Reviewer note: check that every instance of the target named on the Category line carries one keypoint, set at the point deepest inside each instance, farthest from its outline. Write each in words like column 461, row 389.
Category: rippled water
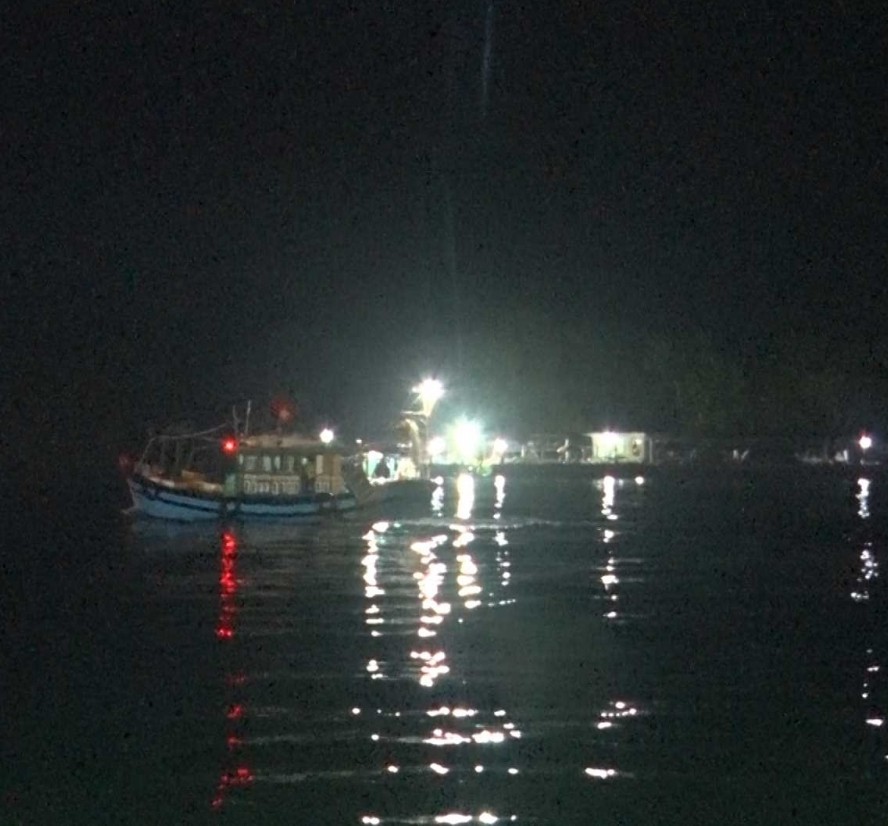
column 669, row 650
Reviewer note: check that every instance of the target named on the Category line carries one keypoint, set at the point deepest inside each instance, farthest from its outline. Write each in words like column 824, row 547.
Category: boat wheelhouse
column 392, row 472
column 625, row 447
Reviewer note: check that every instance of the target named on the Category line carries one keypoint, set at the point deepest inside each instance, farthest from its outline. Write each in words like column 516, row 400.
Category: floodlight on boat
column 327, row 435
column 229, row 446
column 865, row 442
column 467, row 436
column 429, row 391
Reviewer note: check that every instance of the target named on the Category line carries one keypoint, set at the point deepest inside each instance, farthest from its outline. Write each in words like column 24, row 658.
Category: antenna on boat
column 247, row 422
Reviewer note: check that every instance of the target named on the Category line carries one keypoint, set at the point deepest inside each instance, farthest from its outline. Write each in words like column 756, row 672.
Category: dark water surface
column 701, row 649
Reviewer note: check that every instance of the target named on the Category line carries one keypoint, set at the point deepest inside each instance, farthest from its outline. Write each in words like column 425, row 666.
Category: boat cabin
column 257, row 466
column 620, row 447
column 273, row 465
column 383, row 462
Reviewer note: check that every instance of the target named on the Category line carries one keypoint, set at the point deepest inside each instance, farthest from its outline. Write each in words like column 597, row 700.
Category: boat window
column 277, row 462
column 291, row 463
column 266, row 464
column 250, row 463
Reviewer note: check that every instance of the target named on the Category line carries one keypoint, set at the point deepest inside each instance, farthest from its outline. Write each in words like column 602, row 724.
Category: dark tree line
column 535, row 373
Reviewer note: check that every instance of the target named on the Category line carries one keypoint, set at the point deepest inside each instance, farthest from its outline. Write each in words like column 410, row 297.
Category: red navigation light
column 229, row 446
column 283, row 409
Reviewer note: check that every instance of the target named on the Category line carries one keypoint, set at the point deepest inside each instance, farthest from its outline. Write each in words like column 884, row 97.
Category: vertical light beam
column 486, row 59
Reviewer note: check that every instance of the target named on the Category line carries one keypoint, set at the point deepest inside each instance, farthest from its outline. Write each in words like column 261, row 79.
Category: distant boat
column 392, row 474
column 210, row 475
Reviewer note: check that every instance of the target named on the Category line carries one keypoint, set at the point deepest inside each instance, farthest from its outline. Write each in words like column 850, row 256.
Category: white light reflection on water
column 609, row 486
column 467, row 577
column 465, row 491
column 617, row 713
column 618, row 710
column 484, row 817
column 448, row 567
column 863, row 498
column 438, row 499
column 601, row 774
column 441, row 728
column 499, row 484
column 608, row 576
column 866, row 577
column 433, row 666
column 371, row 586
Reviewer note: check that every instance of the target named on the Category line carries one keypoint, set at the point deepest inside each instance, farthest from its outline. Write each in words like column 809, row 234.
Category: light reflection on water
column 421, row 583
column 449, row 586
column 485, row 661
column 874, row 713
column 237, row 774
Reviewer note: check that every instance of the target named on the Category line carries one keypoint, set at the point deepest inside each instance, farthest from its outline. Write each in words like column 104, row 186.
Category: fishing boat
column 398, row 468
column 214, row 474
column 393, row 473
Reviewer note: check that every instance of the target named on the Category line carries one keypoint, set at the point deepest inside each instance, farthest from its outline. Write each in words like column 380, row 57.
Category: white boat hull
column 182, row 505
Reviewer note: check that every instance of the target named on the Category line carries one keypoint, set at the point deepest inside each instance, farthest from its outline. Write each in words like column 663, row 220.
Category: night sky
column 204, row 202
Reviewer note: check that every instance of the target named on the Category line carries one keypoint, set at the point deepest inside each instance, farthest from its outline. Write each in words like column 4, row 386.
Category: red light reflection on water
column 229, row 543
column 236, row 774
column 227, row 586
column 238, row 778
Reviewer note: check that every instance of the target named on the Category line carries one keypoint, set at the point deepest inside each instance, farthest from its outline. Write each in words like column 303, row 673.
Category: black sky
column 205, row 201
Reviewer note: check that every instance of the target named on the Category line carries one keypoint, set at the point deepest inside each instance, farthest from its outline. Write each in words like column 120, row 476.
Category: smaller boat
column 272, row 476
column 392, row 472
